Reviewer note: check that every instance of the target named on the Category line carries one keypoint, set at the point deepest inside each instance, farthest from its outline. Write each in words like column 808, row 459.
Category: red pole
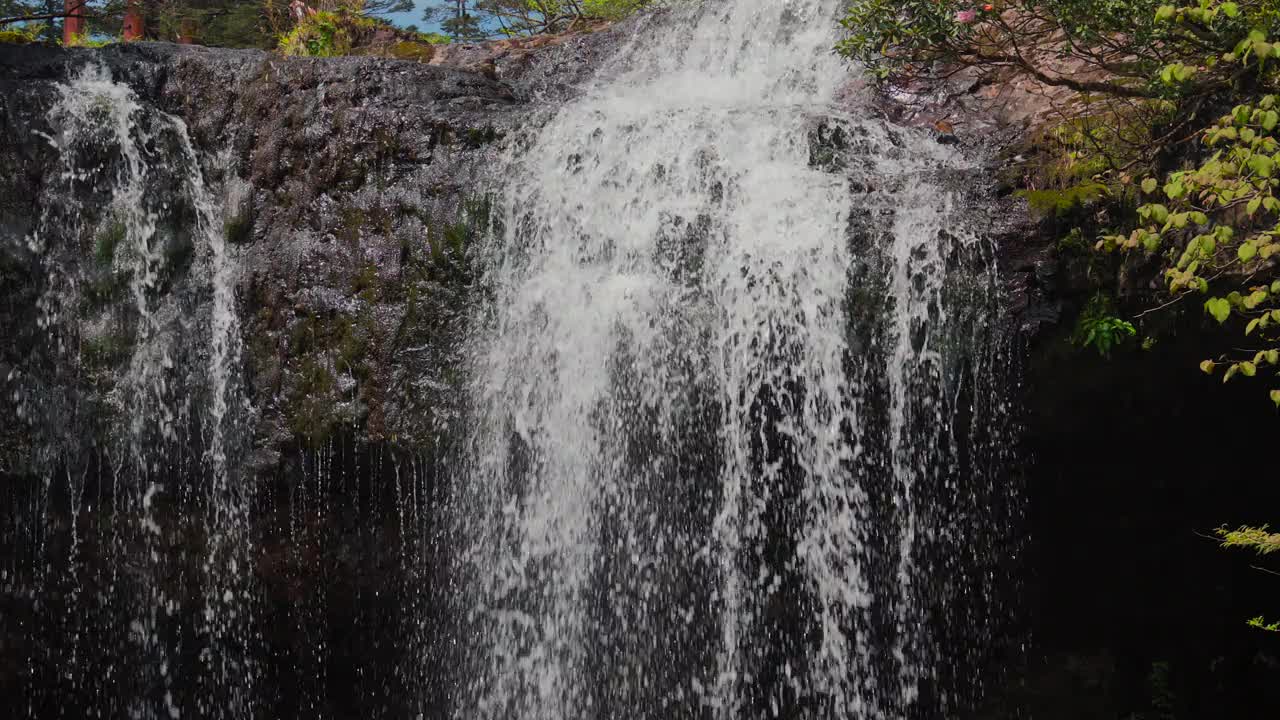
column 73, row 27
column 133, row 25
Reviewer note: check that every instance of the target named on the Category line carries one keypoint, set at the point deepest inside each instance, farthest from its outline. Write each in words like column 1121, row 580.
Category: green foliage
column 218, row 23
column 1100, row 329
column 26, row 21
column 324, row 34
column 1258, row 539
column 612, row 9
column 22, row 34
column 1261, row 541
column 341, row 32
column 88, row 40
column 894, row 36
column 434, row 38
column 1216, row 229
column 1122, row 48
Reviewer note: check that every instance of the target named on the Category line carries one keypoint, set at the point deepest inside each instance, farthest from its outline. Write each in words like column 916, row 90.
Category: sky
column 414, row 17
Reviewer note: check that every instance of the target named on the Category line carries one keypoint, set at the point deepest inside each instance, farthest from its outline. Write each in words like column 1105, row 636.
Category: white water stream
column 180, row 367
column 671, row 325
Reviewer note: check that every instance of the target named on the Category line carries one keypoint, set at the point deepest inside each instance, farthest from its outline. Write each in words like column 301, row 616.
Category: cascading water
column 733, row 415
column 137, row 191
column 737, row 404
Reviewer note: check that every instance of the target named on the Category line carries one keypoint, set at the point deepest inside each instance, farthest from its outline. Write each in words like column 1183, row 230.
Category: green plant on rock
column 324, row 34
column 1100, row 329
column 22, row 34
column 1060, row 202
column 107, row 240
column 87, row 40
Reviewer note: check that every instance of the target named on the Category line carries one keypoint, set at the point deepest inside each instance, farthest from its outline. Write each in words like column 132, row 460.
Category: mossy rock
column 411, row 50
column 238, row 228
column 479, row 137
column 104, row 289
column 106, row 351
column 1058, row 203
column 107, row 240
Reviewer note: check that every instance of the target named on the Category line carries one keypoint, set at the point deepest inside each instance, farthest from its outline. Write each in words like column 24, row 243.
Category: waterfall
column 692, row 404
column 167, row 362
column 736, row 401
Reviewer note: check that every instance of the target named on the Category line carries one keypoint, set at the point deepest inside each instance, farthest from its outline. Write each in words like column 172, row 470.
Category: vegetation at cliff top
column 319, row 27
column 329, row 33
column 477, row 19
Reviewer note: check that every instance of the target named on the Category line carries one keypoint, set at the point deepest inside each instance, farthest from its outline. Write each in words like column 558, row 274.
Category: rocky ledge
column 353, row 192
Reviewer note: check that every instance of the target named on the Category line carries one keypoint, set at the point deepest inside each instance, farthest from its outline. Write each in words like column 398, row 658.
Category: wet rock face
column 352, row 195
column 353, row 192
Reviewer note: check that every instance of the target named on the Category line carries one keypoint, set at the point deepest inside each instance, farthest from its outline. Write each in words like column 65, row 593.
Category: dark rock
column 336, row 177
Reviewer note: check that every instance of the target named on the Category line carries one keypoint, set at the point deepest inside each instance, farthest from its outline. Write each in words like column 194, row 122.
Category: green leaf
column 1165, row 13
column 1247, row 251
column 1219, row 308
column 1273, row 357
column 1149, row 185
column 1207, row 367
column 1270, row 119
column 1253, row 325
column 1262, row 165
column 1229, row 9
column 1275, row 397
column 1248, row 369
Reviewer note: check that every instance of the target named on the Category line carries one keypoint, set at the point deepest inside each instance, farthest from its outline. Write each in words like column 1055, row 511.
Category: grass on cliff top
column 339, row 33
column 22, row 34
